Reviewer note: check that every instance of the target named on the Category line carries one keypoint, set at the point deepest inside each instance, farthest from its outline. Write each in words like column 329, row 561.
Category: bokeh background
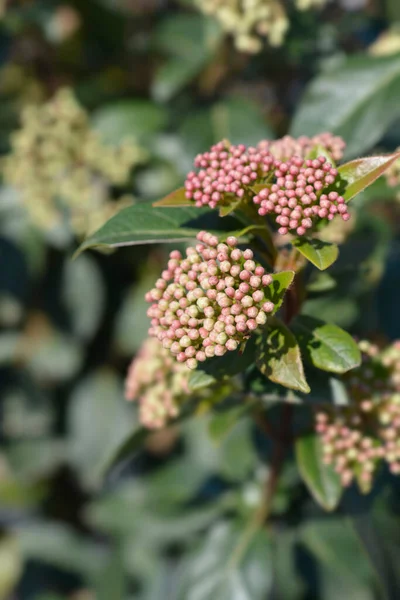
column 164, row 81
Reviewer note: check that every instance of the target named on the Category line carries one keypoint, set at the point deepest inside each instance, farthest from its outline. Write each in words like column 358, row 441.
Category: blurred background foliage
column 169, row 522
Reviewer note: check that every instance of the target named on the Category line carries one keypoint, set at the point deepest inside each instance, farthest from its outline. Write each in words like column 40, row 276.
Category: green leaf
column 11, row 566
column 124, row 119
column 278, row 357
column 362, row 172
column 357, row 100
column 239, row 120
column 132, row 443
column 321, row 151
column 321, row 480
column 144, row 224
column 321, row 283
column 319, row 253
column 176, row 198
column 280, row 284
column 336, row 547
column 190, row 41
column 224, row 422
column 232, row 363
column 198, row 380
column 174, row 75
column 84, row 295
column 229, row 566
column 58, row 545
column 99, row 420
column 326, row 346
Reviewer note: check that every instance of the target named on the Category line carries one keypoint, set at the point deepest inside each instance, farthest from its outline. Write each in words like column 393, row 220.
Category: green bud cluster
column 60, row 166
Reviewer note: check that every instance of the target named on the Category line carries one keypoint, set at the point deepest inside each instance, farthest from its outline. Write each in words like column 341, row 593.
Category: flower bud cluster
column 289, row 147
column 298, row 191
column 297, row 200
column 392, row 174
column 227, row 170
column 356, row 438
column 59, row 164
column 158, row 383
column 249, row 21
column 209, row 302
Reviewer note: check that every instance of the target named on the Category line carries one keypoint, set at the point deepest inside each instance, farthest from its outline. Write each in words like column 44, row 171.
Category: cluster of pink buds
column 158, row 383
column 289, row 147
column 299, row 191
column 356, row 438
column 296, row 199
column 209, row 302
column 225, row 170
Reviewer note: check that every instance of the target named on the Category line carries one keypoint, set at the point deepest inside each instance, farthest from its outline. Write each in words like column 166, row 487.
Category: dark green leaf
column 280, row 284
column 357, row 100
column 132, row 443
column 222, row 423
column 144, row 224
column 278, row 357
column 362, row 172
column 322, row 481
column 191, row 41
column 319, row 253
column 232, row 363
column 326, row 346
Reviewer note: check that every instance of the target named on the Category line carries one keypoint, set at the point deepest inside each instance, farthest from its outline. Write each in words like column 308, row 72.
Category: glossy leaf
column 321, row 480
column 144, row 224
column 326, row 346
column 319, row 253
column 176, row 198
column 362, row 172
column 357, row 100
column 278, row 357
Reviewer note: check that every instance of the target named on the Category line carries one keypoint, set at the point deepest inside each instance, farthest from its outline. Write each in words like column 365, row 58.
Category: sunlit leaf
column 278, row 357
column 362, row 172
column 319, row 253
column 326, row 346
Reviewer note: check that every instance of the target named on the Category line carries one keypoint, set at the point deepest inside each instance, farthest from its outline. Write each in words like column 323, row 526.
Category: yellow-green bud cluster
column 158, row 383
column 356, row 438
column 250, row 22
column 60, row 165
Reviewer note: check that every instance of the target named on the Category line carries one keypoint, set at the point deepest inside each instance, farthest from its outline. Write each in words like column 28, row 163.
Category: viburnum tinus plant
column 227, row 333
